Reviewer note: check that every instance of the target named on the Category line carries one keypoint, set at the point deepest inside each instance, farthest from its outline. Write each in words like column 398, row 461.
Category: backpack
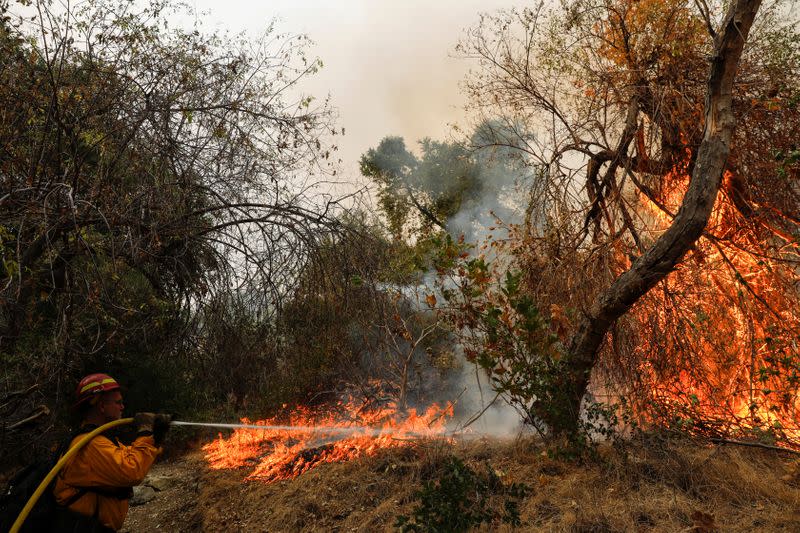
column 18, row 492
column 24, row 484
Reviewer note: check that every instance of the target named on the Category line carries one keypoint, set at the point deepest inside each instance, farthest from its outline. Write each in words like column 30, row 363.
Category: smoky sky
column 388, row 65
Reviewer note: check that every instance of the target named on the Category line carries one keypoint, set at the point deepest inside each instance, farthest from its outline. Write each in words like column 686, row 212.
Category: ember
column 286, row 448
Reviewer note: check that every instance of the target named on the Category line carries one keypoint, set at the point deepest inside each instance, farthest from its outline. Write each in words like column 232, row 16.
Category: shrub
column 462, row 498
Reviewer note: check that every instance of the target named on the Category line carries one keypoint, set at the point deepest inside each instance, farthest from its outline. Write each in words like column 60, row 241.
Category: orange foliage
column 637, row 32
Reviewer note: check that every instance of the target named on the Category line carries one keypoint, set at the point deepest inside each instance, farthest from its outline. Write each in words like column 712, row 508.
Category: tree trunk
column 658, row 261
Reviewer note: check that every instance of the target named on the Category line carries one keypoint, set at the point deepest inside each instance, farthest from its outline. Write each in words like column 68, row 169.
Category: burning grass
column 289, row 446
column 654, row 485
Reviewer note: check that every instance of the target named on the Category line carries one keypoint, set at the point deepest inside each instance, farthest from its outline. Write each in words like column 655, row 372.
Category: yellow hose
column 59, row 465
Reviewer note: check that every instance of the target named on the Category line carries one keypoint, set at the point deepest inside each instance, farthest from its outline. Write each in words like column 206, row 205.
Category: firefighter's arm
column 115, row 465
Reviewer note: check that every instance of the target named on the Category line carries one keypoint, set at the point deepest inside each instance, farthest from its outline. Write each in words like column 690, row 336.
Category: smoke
column 491, row 175
column 439, row 371
column 504, row 176
column 478, row 409
column 501, row 201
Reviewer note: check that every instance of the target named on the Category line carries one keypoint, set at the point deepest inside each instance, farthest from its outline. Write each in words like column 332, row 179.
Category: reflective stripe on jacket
column 108, row 466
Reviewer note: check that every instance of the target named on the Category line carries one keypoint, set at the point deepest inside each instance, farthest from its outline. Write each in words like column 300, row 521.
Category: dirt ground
column 174, row 508
column 650, row 487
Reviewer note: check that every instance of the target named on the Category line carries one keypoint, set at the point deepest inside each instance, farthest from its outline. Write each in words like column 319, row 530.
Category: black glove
column 160, row 427
column 153, row 424
column 144, row 422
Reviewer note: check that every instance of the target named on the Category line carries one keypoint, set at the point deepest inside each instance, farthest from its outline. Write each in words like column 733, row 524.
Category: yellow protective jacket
column 108, row 467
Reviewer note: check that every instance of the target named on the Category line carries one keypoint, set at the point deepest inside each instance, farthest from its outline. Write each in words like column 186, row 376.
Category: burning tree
column 659, row 255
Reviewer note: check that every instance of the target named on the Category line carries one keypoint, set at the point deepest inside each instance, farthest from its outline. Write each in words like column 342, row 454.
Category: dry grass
column 652, row 486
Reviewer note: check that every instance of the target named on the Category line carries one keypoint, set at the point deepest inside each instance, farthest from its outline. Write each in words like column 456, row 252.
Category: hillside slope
column 652, row 486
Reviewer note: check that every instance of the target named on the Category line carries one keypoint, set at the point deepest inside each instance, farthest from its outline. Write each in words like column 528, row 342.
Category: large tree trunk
column 691, row 220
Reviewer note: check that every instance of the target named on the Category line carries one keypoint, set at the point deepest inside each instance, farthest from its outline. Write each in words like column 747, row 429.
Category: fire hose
column 89, row 436
column 362, row 430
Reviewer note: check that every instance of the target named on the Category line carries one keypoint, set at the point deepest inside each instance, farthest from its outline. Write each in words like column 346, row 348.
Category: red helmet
column 92, row 385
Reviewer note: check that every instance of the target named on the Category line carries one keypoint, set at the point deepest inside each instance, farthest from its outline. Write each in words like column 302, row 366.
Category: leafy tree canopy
column 146, row 171
column 449, row 186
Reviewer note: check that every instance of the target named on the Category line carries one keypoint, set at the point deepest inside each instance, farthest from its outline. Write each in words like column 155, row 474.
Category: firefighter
column 93, row 489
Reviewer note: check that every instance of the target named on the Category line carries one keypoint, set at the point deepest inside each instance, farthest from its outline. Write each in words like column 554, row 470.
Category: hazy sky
column 388, row 64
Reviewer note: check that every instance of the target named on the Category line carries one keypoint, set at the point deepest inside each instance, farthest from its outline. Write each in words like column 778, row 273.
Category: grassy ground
column 652, row 485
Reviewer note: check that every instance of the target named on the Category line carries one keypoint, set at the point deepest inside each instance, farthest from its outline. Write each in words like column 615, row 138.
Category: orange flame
column 286, row 453
column 732, row 359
